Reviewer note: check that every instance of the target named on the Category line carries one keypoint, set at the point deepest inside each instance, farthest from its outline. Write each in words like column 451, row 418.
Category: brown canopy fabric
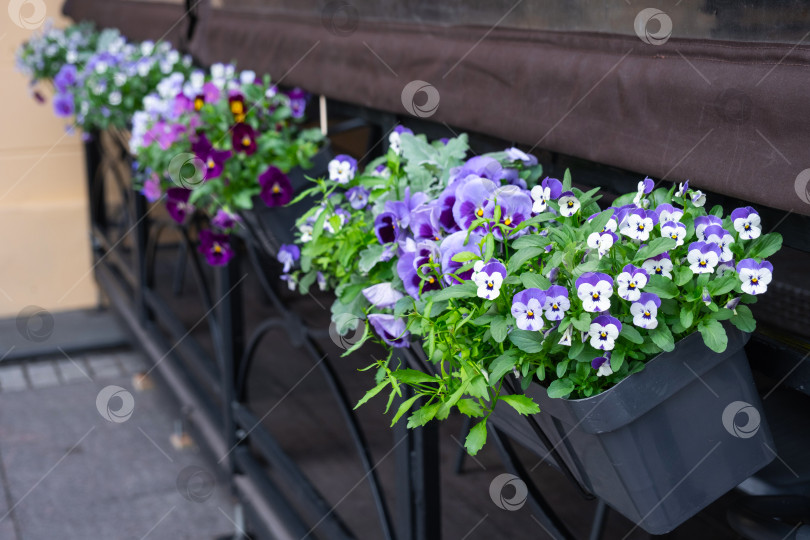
column 732, row 117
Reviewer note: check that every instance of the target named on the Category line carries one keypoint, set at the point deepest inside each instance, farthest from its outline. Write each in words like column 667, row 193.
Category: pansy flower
column 298, row 102
column 454, row 244
column 644, row 187
column 382, row 295
column 473, row 201
column 602, row 366
column 549, row 189
column 645, row 311
column 733, row 303
column 243, row 138
column 724, row 267
column 611, row 224
column 603, row 332
column 342, row 169
column 225, row 220
column 276, row 189
column 395, row 138
column 746, row 222
column 177, row 203
column 516, row 207
column 287, row 255
column 213, row 159
column 660, row 265
column 706, row 297
column 602, row 242
column 595, row 290
column 754, row 276
column 151, row 188
column 565, row 339
column 424, row 222
column 556, row 303
column 631, row 281
column 381, row 171
column 489, row 279
column 703, row 257
column 698, row 198
column 514, row 154
column 215, row 247
column 63, row 105
column 321, row 280
column 637, row 224
column 667, row 212
column 717, row 235
column 387, row 228
column 66, row 77
column 236, row 104
column 569, row 204
column 357, row 197
column 411, row 280
column 527, row 309
column 701, row 222
column 674, row 230
column 683, row 187
column 391, row 329
column 483, row 166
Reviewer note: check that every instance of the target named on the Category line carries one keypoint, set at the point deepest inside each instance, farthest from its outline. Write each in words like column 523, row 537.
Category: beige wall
column 43, row 202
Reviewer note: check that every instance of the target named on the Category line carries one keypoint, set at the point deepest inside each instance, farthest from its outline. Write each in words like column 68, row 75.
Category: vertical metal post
column 95, row 181
column 141, row 230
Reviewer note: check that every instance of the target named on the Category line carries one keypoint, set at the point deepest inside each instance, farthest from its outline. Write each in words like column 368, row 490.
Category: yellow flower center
column 754, row 280
column 217, row 248
column 480, row 212
column 507, row 221
column 198, row 103
column 596, row 296
column 747, row 226
column 237, row 107
column 570, row 204
column 631, row 285
column 211, row 163
column 245, row 141
column 603, row 335
column 641, row 226
column 702, row 263
column 530, row 313
column 432, row 279
column 555, row 306
column 490, row 285
column 647, row 313
column 276, row 189
column 674, row 236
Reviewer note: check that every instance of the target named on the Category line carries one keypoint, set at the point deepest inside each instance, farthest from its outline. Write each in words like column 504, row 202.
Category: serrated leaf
column 464, row 256
column 522, row 404
column 403, row 408
column 464, row 290
column 476, row 438
column 412, row 376
column 561, row 388
column 423, row 415
column 470, row 407
column 373, row 392
column 714, row 335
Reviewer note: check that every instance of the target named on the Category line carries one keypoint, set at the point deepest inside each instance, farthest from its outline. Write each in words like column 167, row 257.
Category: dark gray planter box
column 654, row 447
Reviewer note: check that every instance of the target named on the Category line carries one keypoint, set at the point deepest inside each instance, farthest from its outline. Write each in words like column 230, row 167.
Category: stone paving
column 85, row 456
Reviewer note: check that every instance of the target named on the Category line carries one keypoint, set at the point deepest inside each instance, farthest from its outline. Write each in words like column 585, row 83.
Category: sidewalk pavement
column 85, row 456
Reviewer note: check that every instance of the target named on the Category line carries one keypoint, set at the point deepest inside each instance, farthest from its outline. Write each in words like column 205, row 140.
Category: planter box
column 654, row 447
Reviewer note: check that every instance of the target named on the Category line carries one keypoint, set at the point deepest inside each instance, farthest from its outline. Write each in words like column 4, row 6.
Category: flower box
column 662, row 444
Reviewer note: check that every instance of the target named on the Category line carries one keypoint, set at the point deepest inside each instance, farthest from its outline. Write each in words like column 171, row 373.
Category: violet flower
column 660, row 265
column 213, row 159
column 424, row 222
column 382, row 295
column 236, row 104
column 287, row 255
column 243, row 138
column 151, row 188
column 395, row 138
column 453, row 245
column 426, row 255
column 549, row 189
column 565, row 339
column 703, row 257
column 569, row 204
column 411, row 280
column 595, row 290
column 63, row 105
column 527, row 309
column 225, row 220
column 645, row 311
column 66, row 77
column 387, row 228
column 391, row 329
column 746, row 222
column 298, row 102
column 602, row 242
column 516, row 207
column 631, row 281
column 481, row 166
column 215, row 247
column 602, row 366
column 556, row 303
column 674, row 230
column 515, row 154
column 177, row 203
column 667, row 212
column 357, row 197
column 701, row 222
column 683, row 187
column 603, row 332
column 342, row 169
column 489, row 279
column 717, row 235
column 754, row 276
column 446, row 202
column 698, row 198
column 637, row 224
column 276, row 189
column 473, row 201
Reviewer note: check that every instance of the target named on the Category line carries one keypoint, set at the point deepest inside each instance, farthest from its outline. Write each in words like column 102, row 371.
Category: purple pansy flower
column 287, row 255
column 516, row 207
column 569, row 204
column 527, row 309
column 321, row 279
column 660, row 265
column 215, row 247
column 391, row 329
column 243, row 138
column 66, row 77
column 602, row 366
column 746, row 222
column 637, row 224
column 755, row 276
column 382, row 295
column 473, row 201
column 674, row 230
column 411, row 280
column 342, row 169
column 644, row 187
column 427, row 253
column 683, row 187
column 298, row 102
column 631, row 281
column 703, row 257
column 395, row 138
column 276, row 187
column 151, row 188
column 706, row 297
column 698, row 198
column 177, row 203
column 481, row 166
column 667, row 212
column 63, row 105
column 549, row 189
column 595, row 290
column 602, row 242
column 357, row 197
column 424, row 222
column 387, row 228
column 214, row 159
column 489, row 278
column 402, row 209
column 514, row 154
column 556, row 303
column 453, row 245
column 565, row 339
column 381, row 171
column 446, row 201
column 717, row 235
column 724, row 267
column 701, row 222
column 225, row 220
column 645, row 311
column 733, row 303
column 603, row 332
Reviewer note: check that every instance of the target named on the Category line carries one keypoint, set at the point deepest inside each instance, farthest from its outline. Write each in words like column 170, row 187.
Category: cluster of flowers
column 497, row 276
column 215, row 140
column 99, row 78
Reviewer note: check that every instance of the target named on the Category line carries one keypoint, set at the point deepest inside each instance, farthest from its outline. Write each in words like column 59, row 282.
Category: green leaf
column 583, row 322
column 561, row 368
column 476, row 438
column 576, row 348
column 661, row 286
column 479, row 387
column 405, row 407
column 423, row 415
column 370, row 257
column 373, row 392
column 522, row 404
column 567, row 180
column 530, row 280
column 464, row 256
column 470, row 407
column 714, row 335
column 527, row 341
column 404, row 304
column 632, row 334
column 489, row 246
column 744, row 319
column 682, row 275
column 412, row 376
column 686, row 316
column 617, row 359
column 463, row 290
column 765, row 246
column 560, row 388
column 498, row 329
column 521, row 256
column 655, row 247
column 530, row 240
column 723, row 284
column 662, row 337
column 598, row 223
column 502, row 365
